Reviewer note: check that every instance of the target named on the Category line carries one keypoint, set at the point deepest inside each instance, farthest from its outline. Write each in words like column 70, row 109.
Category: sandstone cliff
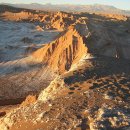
column 66, row 50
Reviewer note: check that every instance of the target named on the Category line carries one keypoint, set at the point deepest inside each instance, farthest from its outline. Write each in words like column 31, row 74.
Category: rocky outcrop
column 92, row 91
column 66, row 50
column 58, row 20
column 85, row 36
column 54, row 90
column 62, row 20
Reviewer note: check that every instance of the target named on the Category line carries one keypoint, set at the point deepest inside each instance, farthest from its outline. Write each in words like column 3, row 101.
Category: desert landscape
column 64, row 70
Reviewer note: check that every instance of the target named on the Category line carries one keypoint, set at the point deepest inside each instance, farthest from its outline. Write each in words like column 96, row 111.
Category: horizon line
column 65, row 4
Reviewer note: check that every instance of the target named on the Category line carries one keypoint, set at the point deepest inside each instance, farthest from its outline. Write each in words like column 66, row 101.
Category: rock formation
column 67, row 49
column 56, row 20
column 80, row 80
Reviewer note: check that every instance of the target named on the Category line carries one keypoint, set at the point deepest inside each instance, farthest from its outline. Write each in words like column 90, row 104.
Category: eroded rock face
column 103, row 39
column 86, row 35
column 65, row 50
column 92, row 91
column 58, row 20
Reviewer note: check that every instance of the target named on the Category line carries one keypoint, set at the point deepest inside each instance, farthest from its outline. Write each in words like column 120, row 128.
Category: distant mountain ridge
column 95, row 8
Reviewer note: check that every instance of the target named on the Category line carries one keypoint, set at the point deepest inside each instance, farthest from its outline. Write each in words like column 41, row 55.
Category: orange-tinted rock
column 65, row 50
column 29, row 99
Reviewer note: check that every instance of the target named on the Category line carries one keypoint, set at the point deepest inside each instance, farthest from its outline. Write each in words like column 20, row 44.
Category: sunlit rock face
column 64, row 71
column 66, row 50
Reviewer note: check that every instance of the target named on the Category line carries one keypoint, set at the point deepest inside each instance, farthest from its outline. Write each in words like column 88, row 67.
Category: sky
column 122, row 4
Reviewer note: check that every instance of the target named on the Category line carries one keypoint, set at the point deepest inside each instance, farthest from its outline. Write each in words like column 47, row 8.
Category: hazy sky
column 123, row 4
